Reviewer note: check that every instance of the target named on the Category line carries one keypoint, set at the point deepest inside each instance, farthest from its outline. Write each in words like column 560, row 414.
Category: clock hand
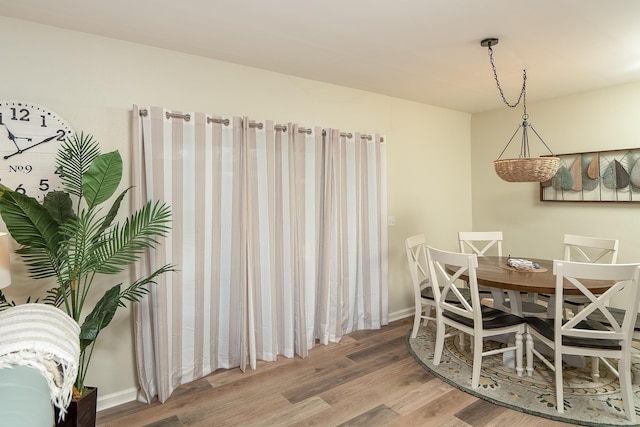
column 20, row 151
column 13, row 138
column 47, row 139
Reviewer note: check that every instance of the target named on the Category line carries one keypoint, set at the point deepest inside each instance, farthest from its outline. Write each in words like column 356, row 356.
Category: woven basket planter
column 527, row 169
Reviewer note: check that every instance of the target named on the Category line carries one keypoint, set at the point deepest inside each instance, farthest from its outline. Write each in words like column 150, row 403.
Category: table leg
column 498, row 298
column 515, row 302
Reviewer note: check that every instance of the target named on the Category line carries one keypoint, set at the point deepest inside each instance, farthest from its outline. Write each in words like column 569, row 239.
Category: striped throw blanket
column 45, row 338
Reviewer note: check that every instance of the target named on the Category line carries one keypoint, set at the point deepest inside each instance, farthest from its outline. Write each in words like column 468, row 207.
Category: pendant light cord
column 522, row 97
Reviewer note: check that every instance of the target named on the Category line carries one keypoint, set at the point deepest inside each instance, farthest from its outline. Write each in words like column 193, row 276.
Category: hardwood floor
column 369, row 379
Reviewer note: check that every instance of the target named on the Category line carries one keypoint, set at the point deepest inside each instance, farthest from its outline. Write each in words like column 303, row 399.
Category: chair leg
column 461, row 340
column 519, row 369
column 428, row 314
column 626, row 389
column 418, row 316
column 477, row 361
column 437, row 353
column 416, row 322
column 529, row 355
column 595, row 369
column 559, row 387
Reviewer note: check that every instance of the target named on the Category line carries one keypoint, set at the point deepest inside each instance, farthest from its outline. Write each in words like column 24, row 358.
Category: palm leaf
column 139, row 289
column 80, row 234
column 112, row 212
column 74, row 158
column 102, row 178
column 122, row 246
column 55, row 296
column 100, row 317
column 4, row 304
column 59, row 205
column 28, row 222
column 3, row 189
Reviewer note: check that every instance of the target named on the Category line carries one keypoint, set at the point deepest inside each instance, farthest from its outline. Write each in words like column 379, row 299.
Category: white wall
column 596, row 121
column 92, row 82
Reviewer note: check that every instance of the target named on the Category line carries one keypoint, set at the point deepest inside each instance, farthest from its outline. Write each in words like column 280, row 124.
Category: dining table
column 495, row 273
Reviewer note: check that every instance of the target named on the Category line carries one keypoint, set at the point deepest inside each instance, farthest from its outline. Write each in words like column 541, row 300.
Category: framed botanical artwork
column 596, row 176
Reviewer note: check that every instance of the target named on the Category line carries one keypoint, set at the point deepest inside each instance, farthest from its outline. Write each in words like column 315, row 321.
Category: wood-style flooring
column 368, row 379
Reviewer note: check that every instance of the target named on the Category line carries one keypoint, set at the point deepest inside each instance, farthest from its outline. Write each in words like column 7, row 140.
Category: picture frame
column 611, row 176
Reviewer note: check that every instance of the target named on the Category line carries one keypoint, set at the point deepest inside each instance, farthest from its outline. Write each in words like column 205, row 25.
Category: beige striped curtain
column 354, row 251
column 279, row 233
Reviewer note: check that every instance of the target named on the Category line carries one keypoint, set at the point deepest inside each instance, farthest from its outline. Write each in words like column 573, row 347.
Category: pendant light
column 524, row 168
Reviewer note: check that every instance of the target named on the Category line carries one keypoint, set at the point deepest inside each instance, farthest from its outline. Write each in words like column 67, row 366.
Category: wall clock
column 30, row 136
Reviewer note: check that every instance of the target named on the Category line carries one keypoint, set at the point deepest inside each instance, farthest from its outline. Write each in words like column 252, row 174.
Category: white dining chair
column 582, row 336
column 483, row 243
column 417, row 259
column 585, row 249
column 590, row 249
column 470, row 317
column 424, row 300
column 486, row 243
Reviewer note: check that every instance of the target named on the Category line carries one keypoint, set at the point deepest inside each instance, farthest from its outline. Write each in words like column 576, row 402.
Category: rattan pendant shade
column 527, row 169
column 523, row 168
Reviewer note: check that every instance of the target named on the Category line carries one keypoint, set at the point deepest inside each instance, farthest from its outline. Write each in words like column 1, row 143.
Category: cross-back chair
column 486, row 243
column 483, row 243
column 581, row 335
column 417, row 259
column 468, row 316
column 424, row 300
column 590, row 250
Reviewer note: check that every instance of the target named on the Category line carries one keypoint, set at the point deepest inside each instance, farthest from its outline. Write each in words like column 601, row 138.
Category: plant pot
column 82, row 411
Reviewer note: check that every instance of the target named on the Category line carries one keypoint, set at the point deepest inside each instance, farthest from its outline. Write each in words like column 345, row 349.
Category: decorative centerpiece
column 522, row 264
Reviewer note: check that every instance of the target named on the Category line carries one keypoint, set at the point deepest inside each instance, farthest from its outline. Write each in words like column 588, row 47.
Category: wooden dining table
column 494, row 272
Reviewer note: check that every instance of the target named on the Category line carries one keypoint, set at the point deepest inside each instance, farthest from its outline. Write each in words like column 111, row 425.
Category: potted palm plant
column 71, row 237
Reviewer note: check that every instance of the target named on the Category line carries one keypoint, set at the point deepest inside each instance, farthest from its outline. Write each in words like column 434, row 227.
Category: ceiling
column 422, row 50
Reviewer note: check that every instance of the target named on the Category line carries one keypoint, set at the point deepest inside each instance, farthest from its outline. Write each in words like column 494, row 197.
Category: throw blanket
column 45, row 338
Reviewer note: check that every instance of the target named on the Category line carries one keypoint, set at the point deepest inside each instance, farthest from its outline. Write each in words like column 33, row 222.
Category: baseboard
column 397, row 315
column 117, row 398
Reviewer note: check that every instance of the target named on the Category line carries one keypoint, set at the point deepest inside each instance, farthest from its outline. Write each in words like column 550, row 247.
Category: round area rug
column 586, row 402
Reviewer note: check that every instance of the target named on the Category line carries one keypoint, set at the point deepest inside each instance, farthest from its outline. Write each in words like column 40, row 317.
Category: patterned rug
column 586, row 402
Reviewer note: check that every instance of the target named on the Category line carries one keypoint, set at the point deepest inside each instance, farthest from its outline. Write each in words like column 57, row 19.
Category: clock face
column 30, row 136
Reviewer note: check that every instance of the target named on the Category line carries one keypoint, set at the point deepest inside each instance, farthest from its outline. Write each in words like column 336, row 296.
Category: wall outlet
column 391, row 221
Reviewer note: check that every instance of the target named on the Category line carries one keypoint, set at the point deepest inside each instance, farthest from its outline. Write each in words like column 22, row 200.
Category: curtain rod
column 187, row 117
column 218, row 121
column 350, row 135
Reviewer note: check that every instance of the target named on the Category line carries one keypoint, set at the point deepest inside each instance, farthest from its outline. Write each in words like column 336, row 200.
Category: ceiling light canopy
column 524, row 168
